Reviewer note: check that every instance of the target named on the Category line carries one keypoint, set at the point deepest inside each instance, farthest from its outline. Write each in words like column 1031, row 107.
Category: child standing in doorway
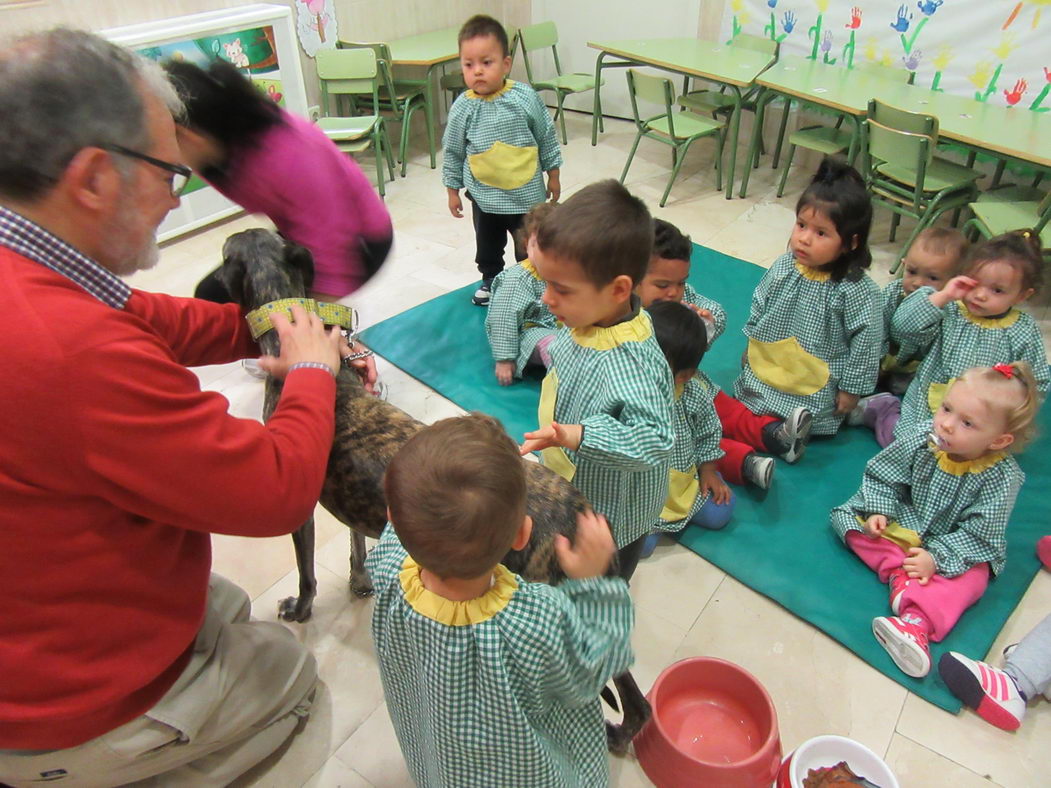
column 498, row 143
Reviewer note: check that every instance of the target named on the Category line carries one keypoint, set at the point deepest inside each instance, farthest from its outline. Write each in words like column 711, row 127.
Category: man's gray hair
column 63, row 90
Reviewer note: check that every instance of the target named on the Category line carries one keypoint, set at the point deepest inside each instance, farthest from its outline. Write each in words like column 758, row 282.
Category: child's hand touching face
column 954, row 290
column 919, row 565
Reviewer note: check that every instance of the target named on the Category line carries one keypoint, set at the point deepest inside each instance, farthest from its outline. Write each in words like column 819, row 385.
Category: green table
column 734, row 67
column 1011, row 133
column 432, row 50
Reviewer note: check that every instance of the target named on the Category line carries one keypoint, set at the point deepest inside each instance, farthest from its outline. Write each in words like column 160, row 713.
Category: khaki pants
column 247, row 685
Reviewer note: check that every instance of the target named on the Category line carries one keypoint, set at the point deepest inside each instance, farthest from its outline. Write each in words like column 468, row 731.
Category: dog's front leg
column 637, row 712
column 360, row 582
column 299, row 608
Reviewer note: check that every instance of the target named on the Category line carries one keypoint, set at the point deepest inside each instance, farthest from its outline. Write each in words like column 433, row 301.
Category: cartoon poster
column 996, row 52
column 316, row 25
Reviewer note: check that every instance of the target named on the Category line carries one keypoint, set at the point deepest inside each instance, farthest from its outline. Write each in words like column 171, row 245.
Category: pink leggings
column 941, row 602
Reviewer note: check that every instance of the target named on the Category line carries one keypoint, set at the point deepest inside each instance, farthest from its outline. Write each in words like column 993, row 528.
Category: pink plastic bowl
column 828, row 751
column 713, row 725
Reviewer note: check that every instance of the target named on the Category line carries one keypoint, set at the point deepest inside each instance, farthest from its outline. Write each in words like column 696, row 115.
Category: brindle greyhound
column 260, row 267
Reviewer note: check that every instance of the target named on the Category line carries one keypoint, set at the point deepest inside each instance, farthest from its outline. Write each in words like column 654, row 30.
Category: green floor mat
column 780, row 543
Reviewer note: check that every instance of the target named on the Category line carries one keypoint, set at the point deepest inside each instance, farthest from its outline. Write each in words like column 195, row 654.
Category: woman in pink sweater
column 272, row 162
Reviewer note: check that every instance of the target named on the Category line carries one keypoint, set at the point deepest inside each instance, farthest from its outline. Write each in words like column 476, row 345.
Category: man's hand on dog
column 303, row 339
column 592, row 548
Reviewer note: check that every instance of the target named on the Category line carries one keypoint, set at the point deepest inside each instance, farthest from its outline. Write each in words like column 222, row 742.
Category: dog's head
column 260, row 266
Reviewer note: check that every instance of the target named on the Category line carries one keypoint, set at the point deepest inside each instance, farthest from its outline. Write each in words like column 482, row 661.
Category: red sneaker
column 905, row 639
column 988, row 690
column 897, row 581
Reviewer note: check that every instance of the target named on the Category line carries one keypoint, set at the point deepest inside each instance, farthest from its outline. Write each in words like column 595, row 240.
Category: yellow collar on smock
column 508, row 84
column 450, row 612
column 990, row 322
column 637, row 329
column 977, row 465
column 813, row 274
column 531, row 269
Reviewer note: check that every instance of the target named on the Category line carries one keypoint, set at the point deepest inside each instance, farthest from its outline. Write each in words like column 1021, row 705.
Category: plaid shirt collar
column 32, row 241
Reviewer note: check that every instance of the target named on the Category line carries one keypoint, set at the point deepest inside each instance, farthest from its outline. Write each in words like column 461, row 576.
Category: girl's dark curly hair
column 839, row 192
column 223, row 103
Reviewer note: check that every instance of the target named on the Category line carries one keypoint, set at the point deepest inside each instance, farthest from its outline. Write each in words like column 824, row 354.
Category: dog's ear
column 299, row 258
column 232, row 272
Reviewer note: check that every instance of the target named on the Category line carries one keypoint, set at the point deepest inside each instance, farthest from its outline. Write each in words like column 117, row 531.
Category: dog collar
column 331, row 314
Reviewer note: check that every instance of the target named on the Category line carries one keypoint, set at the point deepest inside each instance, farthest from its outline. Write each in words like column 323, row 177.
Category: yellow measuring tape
column 331, row 314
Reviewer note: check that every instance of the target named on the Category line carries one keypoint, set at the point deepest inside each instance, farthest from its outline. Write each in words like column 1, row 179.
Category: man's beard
column 124, row 261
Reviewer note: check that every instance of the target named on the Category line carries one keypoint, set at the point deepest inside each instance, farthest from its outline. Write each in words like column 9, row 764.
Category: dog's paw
column 617, row 739
column 292, row 609
column 361, row 590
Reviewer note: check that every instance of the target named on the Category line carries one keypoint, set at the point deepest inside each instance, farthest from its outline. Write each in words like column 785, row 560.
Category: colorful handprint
column 901, row 24
column 943, row 58
column 912, row 60
column 788, row 22
column 1015, row 95
column 855, row 18
column 1006, row 46
column 980, row 76
column 928, row 7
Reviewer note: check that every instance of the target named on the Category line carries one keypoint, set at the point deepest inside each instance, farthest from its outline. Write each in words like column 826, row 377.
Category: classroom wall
column 377, row 20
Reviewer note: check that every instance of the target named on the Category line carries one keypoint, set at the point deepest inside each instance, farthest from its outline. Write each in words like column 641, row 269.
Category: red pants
column 941, row 602
column 742, row 434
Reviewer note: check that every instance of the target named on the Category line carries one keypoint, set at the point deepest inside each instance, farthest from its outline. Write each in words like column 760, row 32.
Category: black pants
column 628, row 558
column 490, row 233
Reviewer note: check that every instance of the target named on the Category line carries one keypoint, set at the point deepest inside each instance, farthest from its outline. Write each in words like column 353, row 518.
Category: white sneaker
column 758, row 470
column 905, row 642
column 988, row 690
column 856, row 417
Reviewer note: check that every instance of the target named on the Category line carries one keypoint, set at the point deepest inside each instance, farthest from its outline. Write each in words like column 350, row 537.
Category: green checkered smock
column 697, row 436
column 498, row 147
column 717, row 324
column 828, row 335
column 958, row 341
column 502, row 690
column 896, row 355
column 616, row 382
column 517, row 319
column 959, row 509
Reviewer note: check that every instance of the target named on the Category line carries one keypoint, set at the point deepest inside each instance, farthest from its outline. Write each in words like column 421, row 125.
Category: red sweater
column 114, row 469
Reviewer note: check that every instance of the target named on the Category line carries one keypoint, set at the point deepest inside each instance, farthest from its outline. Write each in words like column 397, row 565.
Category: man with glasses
column 121, row 656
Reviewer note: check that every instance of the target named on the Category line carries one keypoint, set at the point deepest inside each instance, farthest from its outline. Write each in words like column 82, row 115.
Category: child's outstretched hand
column 592, row 548
column 554, row 186
column 955, row 289
column 919, row 565
column 505, row 372
column 875, row 525
column 567, row 436
column 845, row 402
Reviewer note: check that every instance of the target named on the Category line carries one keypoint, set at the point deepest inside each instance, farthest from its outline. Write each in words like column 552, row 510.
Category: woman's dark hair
column 681, row 334
column 839, row 192
column 222, row 102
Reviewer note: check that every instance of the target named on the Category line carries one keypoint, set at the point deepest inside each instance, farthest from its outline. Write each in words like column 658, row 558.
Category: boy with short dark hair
column 499, row 140
column 606, row 403
column 490, row 680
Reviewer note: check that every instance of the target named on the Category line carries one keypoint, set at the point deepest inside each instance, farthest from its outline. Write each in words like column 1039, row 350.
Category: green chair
column 718, row 101
column 830, row 140
column 400, row 97
column 993, row 217
column 453, row 83
column 354, row 75
column 544, row 36
column 905, row 176
column 677, row 129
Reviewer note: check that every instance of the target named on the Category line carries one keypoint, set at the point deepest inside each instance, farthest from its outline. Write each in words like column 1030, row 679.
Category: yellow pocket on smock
column 554, row 457
column 787, row 367
column 682, row 492
column 936, row 393
column 504, row 166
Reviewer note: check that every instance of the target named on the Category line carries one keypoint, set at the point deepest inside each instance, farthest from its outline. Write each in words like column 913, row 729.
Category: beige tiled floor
column 685, row 605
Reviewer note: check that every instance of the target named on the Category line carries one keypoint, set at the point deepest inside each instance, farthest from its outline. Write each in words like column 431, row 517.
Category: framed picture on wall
column 259, row 40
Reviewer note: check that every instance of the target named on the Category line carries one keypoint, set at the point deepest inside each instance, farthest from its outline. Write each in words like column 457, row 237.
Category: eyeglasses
column 180, row 174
